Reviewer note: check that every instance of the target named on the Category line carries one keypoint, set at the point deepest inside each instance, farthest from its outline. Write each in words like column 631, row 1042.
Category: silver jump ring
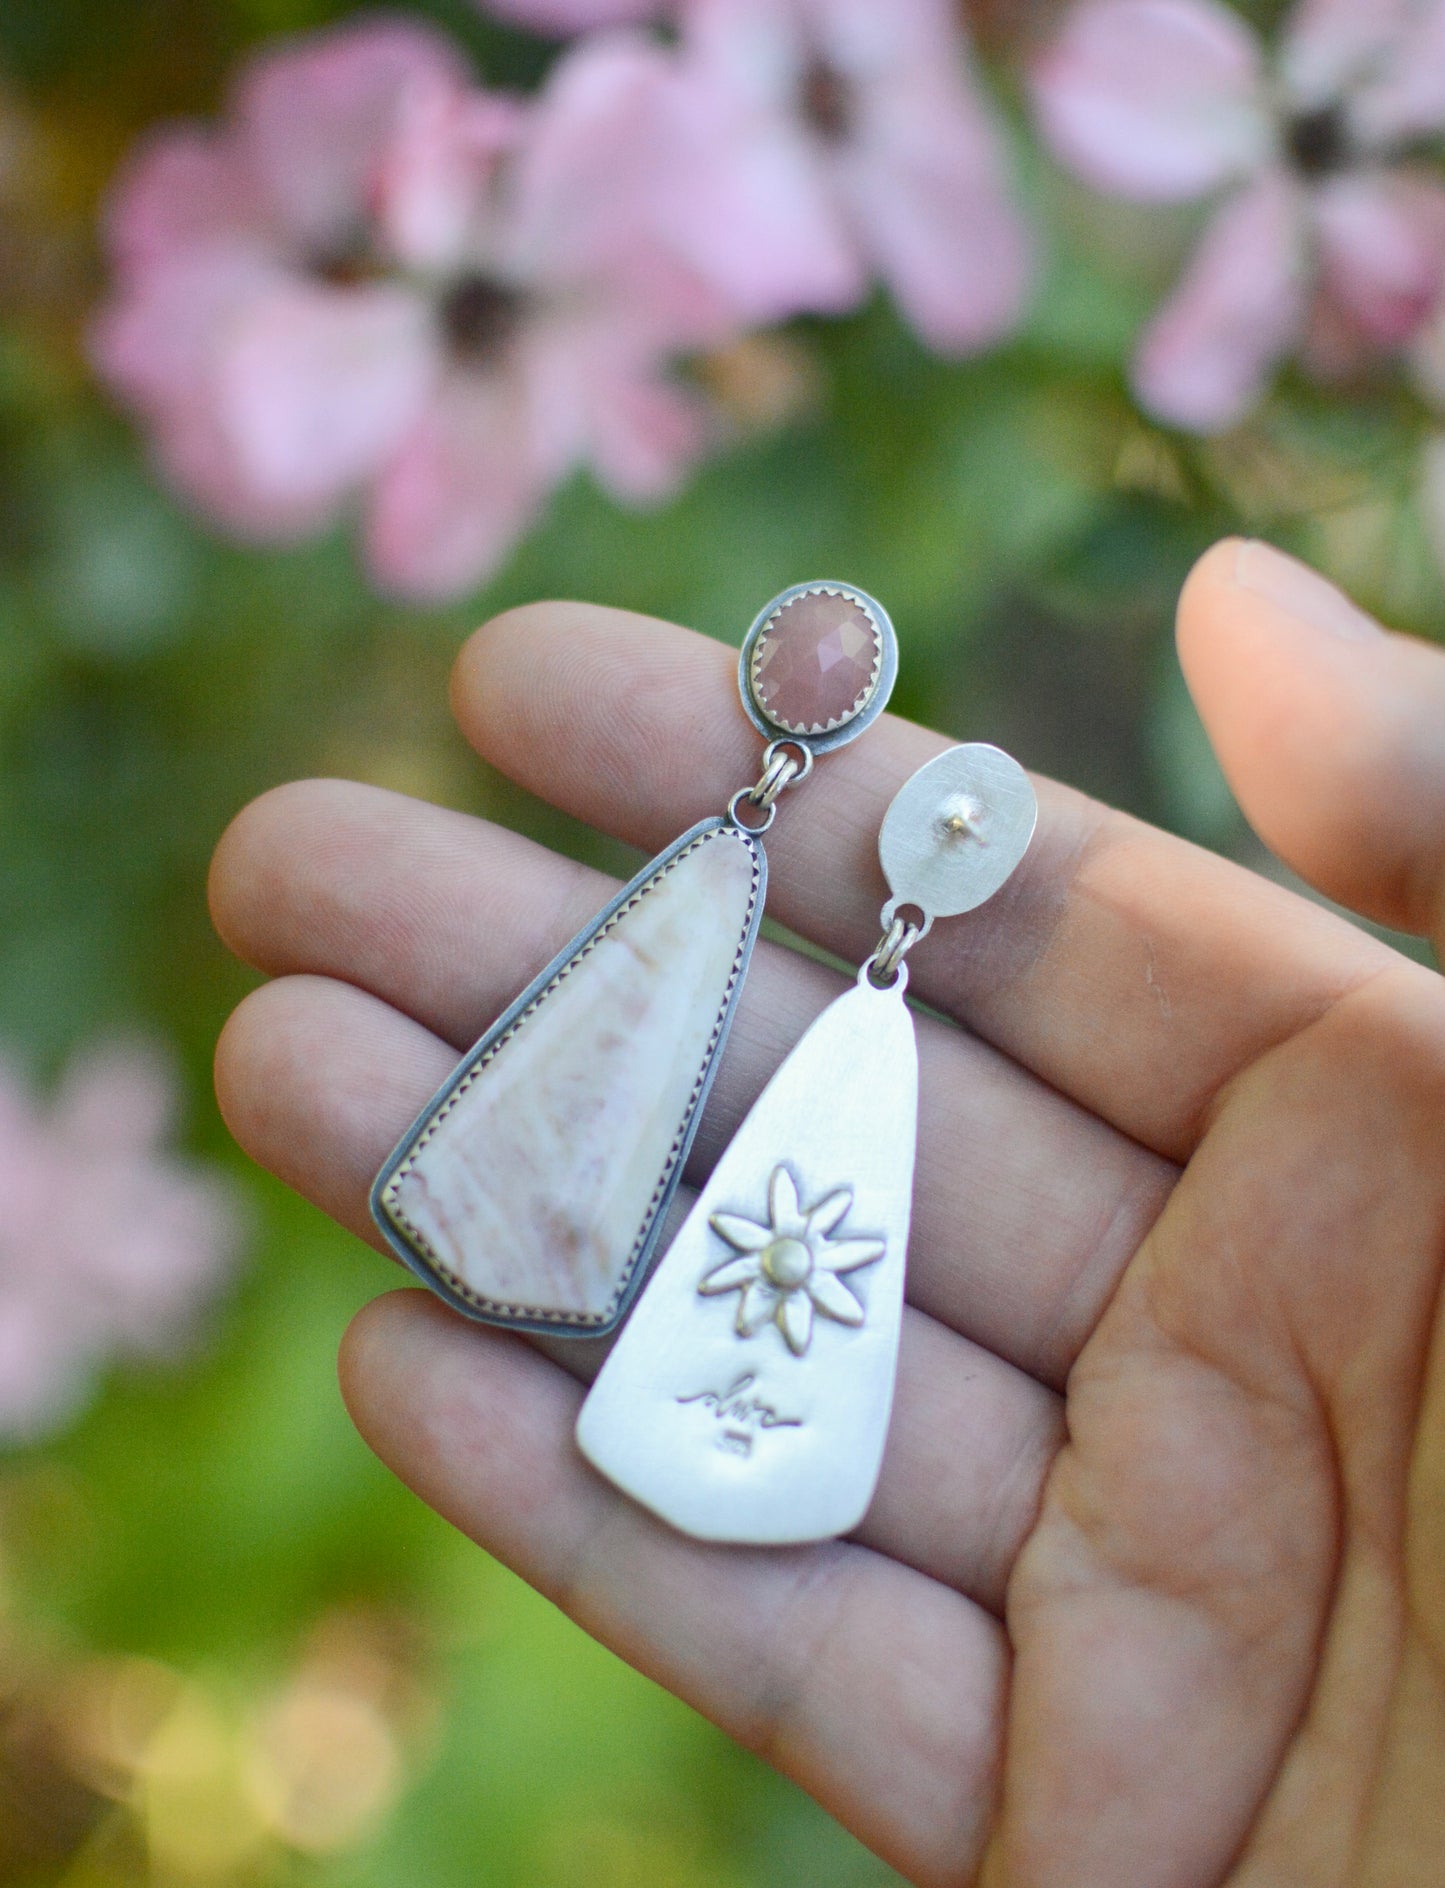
column 802, row 768
column 893, row 946
column 778, row 773
column 885, row 967
column 868, row 974
column 744, row 797
column 781, row 769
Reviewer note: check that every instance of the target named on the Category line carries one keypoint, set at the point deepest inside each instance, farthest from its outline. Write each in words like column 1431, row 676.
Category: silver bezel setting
column 881, row 687
column 639, row 1263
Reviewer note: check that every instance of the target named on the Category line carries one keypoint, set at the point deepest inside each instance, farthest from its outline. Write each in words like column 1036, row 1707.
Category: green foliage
column 1029, row 531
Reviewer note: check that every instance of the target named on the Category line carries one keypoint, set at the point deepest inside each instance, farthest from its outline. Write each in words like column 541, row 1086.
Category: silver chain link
column 781, row 769
column 885, row 965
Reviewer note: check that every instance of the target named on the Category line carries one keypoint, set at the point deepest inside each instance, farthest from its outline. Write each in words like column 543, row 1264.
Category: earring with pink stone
column 532, row 1189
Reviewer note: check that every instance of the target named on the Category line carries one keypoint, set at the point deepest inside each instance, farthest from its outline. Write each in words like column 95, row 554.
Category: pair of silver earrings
column 747, row 1399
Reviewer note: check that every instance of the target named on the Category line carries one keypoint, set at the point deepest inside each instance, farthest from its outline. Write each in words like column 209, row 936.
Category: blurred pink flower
column 1329, row 238
column 560, row 17
column 815, row 142
column 374, row 278
column 109, row 1246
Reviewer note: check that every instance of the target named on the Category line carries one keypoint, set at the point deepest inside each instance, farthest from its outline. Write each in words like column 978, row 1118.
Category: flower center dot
column 786, row 1263
column 1319, row 141
column 827, row 102
column 347, row 262
column 479, row 317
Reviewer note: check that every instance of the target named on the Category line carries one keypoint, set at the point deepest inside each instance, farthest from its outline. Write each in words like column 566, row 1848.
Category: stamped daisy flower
column 788, row 1269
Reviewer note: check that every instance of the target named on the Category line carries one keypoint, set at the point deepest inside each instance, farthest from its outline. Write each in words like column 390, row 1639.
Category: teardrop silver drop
column 748, row 1399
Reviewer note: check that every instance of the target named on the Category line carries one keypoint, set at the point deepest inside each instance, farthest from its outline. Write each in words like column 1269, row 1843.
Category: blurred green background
column 232, row 1649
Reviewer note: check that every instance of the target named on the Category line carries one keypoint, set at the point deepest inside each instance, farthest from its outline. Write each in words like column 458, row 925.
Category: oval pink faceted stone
column 816, row 663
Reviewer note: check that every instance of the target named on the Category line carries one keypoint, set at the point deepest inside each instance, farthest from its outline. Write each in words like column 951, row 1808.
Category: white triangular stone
column 532, row 1187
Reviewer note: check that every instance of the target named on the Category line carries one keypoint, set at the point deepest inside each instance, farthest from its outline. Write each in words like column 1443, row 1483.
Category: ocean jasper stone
column 531, row 1189
column 817, row 662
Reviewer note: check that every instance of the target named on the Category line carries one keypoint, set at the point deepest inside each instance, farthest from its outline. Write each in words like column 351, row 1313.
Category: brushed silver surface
column 740, row 1418
column 956, row 830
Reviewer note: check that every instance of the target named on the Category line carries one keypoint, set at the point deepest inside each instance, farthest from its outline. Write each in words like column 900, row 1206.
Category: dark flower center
column 1319, row 140
column 346, row 263
column 827, row 102
column 479, row 316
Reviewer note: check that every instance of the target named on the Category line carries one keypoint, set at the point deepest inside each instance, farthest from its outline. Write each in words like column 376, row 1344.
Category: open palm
column 1153, row 1589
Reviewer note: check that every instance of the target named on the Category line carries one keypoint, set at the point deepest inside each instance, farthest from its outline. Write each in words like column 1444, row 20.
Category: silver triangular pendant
column 748, row 1397
column 532, row 1188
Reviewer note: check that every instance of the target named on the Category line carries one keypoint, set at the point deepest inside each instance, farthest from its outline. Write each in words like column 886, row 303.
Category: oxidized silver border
column 640, row 1263
column 883, row 688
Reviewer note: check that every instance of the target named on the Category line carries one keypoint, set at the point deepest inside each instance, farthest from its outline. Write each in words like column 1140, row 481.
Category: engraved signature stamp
column 739, row 1414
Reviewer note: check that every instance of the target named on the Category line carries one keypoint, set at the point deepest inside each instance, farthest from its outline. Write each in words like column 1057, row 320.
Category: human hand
column 1152, row 1594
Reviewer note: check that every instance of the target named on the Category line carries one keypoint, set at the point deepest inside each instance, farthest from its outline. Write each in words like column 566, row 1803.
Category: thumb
column 1330, row 730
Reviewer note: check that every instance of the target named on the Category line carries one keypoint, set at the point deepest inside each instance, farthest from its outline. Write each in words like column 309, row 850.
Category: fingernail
column 1300, row 591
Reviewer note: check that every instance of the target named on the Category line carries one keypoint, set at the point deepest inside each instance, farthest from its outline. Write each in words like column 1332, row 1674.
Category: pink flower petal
column 644, row 434
column 436, row 189
column 1383, row 61
column 1158, row 100
column 460, row 492
column 867, row 43
column 45, row 1369
column 561, row 17
column 582, row 177
column 198, row 458
column 1330, row 46
column 1206, row 356
column 118, row 1098
column 747, row 203
column 112, row 1246
column 155, row 341
column 924, row 181
column 1406, row 98
column 314, row 118
column 957, row 256
column 181, row 190
column 158, row 1239
column 786, row 213
column 599, row 184
column 1382, row 243
column 742, row 189
column 597, row 393
column 755, row 50
column 317, row 385
column 158, row 346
